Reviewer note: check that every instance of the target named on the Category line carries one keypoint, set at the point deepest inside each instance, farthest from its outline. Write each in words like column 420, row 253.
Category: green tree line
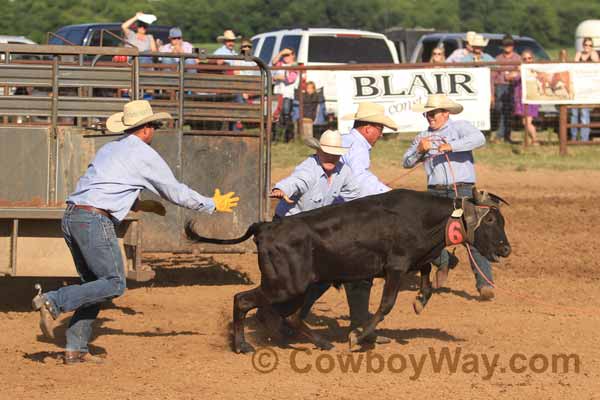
column 551, row 22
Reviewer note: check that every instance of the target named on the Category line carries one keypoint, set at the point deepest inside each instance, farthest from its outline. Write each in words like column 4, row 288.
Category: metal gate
column 52, row 115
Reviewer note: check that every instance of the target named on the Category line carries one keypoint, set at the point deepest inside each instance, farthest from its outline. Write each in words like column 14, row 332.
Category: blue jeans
column 93, row 243
column 580, row 116
column 504, row 108
column 482, row 262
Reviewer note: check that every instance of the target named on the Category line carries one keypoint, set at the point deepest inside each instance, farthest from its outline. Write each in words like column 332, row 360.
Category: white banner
column 573, row 83
column 399, row 90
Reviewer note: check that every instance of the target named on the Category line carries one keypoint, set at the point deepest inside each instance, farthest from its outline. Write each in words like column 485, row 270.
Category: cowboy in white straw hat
column 369, row 122
column 458, row 54
column 320, row 180
column 477, row 43
column 458, row 139
column 228, row 48
column 104, row 195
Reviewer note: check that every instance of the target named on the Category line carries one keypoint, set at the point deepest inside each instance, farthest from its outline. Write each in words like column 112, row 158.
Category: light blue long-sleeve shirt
column 463, row 137
column 309, row 187
column 358, row 158
column 225, row 51
column 122, row 169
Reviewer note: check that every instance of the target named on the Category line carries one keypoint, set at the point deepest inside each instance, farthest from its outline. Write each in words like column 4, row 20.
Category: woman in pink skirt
column 526, row 111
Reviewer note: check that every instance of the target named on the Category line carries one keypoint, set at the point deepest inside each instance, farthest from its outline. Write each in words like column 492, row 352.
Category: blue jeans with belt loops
column 482, row 262
column 92, row 239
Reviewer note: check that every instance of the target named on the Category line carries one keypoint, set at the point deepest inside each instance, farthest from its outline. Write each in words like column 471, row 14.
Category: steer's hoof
column 244, row 348
column 323, row 344
column 421, row 300
column 354, row 340
column 418, row 307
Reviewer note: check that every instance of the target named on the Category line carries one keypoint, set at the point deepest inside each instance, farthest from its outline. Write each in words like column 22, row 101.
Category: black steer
column 384, row 236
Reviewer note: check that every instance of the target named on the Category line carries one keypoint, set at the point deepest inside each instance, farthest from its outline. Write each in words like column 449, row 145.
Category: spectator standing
column 228, row 48
column 477, row 43
column 582, row 115
column 246, row 51
column 526, row 111
column 437, row 56
column 140, row 38
column 504, row 89
column 286, row 82
column 176, row 45
column 458, row 54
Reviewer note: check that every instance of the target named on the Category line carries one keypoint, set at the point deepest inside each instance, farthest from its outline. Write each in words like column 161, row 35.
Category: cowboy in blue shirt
column 104, row 195
column 369, row 122
column 456, row 139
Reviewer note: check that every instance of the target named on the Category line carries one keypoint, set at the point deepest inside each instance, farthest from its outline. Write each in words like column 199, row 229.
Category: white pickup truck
column 322, row 46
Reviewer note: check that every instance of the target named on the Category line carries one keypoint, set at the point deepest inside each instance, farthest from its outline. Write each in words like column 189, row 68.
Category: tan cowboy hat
column 228, row 35
column 135, row 113
column 371, row 112
column 436, row 102
column 330, row 143
column 477, row 41
column 470, row 35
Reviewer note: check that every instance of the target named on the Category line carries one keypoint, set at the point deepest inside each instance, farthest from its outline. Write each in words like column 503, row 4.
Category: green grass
column 554, row 52
column 503, row 156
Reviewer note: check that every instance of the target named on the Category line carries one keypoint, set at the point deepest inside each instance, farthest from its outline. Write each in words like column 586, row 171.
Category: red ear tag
column 454, row 232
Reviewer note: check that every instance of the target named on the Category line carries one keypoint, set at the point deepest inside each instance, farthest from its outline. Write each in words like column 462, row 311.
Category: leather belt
column 94, row 210
column 449, row 187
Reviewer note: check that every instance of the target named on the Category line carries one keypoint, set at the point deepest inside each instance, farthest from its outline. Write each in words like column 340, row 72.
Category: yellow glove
column 152, row 206
column 225, row 202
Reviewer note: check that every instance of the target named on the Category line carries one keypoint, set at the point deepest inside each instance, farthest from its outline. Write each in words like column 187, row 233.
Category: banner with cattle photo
column 572, row 83
column 399, row 90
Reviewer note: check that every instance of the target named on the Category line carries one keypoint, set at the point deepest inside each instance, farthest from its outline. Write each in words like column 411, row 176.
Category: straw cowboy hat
column 135, row 113
column 330, row 143
column 228, row 35
column 437, row 102
column 371, row 112
column 469, row 36
column 477, row 41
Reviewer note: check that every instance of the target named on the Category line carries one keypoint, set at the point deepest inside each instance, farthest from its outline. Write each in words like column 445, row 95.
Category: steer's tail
column 192, row 235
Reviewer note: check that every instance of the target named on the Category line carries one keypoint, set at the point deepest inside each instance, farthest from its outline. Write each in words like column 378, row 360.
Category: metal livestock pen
column 52, row 109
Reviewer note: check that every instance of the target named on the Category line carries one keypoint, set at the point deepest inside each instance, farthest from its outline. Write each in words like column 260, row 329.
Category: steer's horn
column 477, row 195
column 498, row 199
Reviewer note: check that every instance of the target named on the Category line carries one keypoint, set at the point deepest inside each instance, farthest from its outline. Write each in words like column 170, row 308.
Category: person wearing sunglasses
column 140, row 39
column 457, row 139
column 176, row 45
column 104, row 195
column 437, row 56
column 582, row 115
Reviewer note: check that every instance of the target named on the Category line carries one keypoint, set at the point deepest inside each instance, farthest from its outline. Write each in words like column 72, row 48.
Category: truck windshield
column 494, row 48
column 348, row 49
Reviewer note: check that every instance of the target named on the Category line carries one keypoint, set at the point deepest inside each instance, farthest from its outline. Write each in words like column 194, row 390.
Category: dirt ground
column 169, row 338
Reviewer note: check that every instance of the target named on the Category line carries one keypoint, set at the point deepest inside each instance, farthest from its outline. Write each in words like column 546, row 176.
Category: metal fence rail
column 52, row 115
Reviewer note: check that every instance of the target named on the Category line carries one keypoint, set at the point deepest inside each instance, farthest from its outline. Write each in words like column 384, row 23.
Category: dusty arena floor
column 169, row 339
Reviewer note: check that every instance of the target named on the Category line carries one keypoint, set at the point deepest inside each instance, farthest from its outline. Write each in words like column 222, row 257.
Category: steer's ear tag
column 457, row 213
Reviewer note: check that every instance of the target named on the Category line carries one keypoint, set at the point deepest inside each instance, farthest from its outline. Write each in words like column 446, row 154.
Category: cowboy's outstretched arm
column 360, row 164
column 159, row 179
column 298, row 183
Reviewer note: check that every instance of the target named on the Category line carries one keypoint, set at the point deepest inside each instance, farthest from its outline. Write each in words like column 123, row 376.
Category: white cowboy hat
column 436, row 102
column 330, row 143
column 228, row 35
column 147, row 18
column 371, row 112
column 135, row 113
column 477, row 40
column 469, row 36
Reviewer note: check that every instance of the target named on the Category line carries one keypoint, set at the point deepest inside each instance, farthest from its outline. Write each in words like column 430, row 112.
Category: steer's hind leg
column 388, row 299
column 242, row 303
column 300, row 326
column 425, row 291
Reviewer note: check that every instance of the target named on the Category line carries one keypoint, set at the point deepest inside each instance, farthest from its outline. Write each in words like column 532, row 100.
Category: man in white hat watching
column 459, row 54
column 477, row 43
column 228, row 48
column 104, row 195
column 458, row 139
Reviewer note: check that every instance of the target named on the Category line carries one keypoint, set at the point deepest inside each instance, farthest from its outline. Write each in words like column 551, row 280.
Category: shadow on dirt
column 57, row 357
column 171, row 271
